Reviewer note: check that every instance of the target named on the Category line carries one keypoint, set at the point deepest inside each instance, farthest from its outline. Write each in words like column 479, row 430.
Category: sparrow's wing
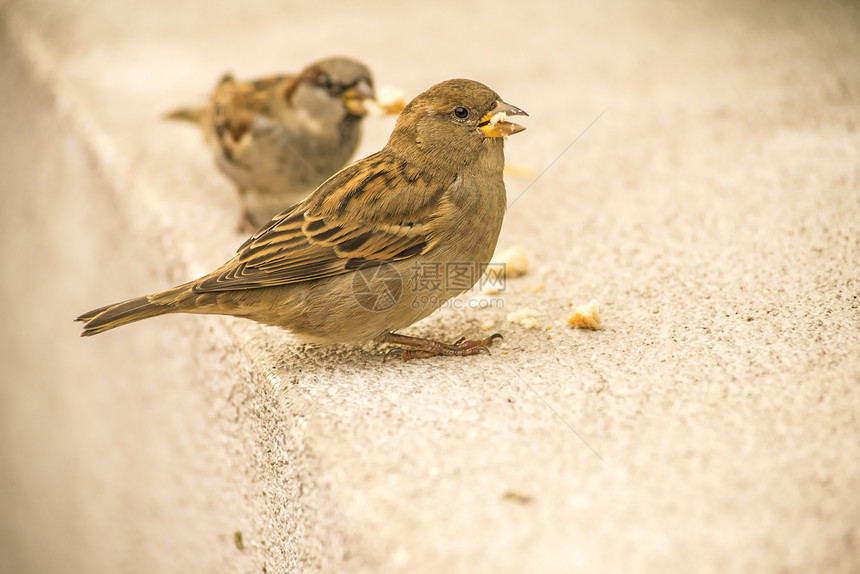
column 235, row 106
column 373, row 212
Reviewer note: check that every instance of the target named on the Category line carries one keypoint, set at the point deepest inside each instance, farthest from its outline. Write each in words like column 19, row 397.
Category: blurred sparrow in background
column 279, row 137
column 360, row 257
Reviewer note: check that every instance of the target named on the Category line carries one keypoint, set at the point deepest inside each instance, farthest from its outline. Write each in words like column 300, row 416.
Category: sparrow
column 280, row 136
column 380, row 245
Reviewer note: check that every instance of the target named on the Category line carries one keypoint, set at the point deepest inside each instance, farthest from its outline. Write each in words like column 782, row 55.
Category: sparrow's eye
column 329, row 85
column 461, row 112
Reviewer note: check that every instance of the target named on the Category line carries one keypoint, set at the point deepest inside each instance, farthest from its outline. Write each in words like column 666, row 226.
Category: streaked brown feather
column 314, row 240
column 236, row 105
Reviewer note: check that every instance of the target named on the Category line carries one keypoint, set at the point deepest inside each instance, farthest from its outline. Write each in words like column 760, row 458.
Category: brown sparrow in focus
column 371, row 250
column 280, row 136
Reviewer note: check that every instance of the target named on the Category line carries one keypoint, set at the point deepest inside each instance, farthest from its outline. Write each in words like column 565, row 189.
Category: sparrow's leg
column 424, row 348
column 245, row 225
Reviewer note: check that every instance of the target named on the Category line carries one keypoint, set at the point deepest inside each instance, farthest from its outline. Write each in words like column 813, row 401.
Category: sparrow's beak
column 495, row 123
column 354, row 98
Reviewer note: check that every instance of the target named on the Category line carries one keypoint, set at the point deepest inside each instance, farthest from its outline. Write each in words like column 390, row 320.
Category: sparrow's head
column 455, row 121
column 333, row 86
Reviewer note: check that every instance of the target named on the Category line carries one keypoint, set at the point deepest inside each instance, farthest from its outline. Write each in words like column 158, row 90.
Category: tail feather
column 110, row 316
column 193, row 115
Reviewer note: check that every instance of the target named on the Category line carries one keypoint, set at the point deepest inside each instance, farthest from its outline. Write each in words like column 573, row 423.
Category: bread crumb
column 621, row 393
column 389, row 101
column 498, row 117
column 515, row 260
column 585, row 316
column 516, row 496
column 486, row 326
column 525, row 317
column 506, row 264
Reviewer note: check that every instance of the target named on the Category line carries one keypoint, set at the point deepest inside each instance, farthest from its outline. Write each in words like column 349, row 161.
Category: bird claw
column 392, row 353
column 426, row 348
column 462, row 342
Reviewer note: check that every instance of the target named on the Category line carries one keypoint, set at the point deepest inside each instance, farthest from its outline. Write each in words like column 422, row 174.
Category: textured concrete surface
column 713, row 209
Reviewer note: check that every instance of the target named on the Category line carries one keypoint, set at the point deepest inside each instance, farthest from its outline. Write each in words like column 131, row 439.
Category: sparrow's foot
column 425, row 348
column 245, row 225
